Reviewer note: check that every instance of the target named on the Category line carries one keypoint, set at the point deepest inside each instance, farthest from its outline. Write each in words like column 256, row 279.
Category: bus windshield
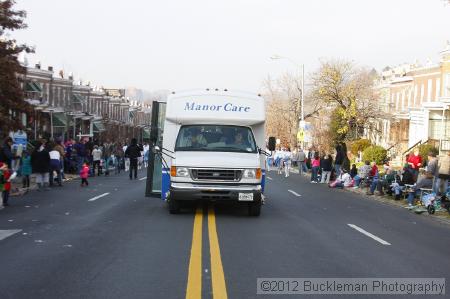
column 216, row 138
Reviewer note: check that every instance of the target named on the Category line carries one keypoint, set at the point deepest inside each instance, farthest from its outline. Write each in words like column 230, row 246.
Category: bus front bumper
column 193, row 191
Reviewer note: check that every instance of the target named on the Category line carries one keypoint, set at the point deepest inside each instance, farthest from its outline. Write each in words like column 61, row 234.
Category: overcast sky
column 187, row 44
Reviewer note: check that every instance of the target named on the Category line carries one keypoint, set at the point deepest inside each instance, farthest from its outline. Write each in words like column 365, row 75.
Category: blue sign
column 20, row 137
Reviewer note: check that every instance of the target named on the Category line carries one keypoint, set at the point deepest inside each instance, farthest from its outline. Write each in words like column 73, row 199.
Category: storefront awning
column 33, row 87
column 77, row 99
column 59, row 120
column 99, row 127
column 146, row 134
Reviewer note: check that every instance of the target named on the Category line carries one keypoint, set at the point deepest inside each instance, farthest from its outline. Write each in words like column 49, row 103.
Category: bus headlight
column 179, row 171
column 249, row 174
column 182, row 172
column 252, row 173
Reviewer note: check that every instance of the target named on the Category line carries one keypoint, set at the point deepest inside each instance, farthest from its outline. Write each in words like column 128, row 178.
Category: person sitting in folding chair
column 424, row 182
column 399, row 186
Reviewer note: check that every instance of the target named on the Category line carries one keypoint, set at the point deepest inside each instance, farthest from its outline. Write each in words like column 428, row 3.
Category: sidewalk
column 440, row 215
column 18, row 190
column 16, row 184
column 443, row 216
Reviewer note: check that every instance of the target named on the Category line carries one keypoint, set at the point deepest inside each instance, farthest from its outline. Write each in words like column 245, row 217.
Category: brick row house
column 68, row 109
column 416, row 100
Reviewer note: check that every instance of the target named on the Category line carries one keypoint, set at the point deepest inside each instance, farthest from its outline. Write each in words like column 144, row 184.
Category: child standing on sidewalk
column 315, row 164
column 84, row 174
column 25, row 169
column 2, row 183
column 7, row 184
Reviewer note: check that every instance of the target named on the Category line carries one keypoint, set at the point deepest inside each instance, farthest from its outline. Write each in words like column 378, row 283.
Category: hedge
column 375, row 153
column 359, row 145
column 424, row 149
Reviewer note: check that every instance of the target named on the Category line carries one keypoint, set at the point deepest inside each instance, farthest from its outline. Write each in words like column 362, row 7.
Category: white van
column 212, row 147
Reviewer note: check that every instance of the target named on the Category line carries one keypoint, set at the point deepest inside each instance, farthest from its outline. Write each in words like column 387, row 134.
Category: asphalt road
column 109, row 241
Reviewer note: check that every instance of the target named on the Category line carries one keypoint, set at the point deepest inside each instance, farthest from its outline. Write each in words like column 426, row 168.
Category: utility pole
column 301, row 124
column 302, row 116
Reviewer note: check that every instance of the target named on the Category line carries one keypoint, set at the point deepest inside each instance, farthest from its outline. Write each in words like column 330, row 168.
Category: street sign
column 302, row 124
column 301, row 135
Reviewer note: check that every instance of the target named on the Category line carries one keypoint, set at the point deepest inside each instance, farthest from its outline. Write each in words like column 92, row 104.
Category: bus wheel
column 254, row 209
column 174, row 206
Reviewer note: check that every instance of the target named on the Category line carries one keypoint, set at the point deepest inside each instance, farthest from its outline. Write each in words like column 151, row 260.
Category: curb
column 22, row 191
column 444, row 218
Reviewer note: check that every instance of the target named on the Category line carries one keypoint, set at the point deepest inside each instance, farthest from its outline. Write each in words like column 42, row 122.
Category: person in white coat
column 278, row 158
column 127, row 160
column 344, row 179
column 287, row 158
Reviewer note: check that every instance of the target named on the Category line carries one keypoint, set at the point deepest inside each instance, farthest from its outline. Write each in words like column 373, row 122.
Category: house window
column 403, row 99
column 447, row 85
column 54, row 94
column 429, row 89
column 415, row 94
column 438, row 88
column 24, row 119
column 397, row 100
column 422, row 93
column 437, row 128
column 410, row 96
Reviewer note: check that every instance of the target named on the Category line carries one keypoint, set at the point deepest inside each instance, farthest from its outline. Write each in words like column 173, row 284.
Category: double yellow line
column 194, row 285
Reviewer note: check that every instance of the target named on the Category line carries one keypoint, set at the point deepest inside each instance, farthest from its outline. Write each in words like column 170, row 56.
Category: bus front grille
column 205, row 174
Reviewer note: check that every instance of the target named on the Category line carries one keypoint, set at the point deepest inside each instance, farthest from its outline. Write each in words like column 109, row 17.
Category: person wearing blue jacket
column 6, row 154
column 25, row 169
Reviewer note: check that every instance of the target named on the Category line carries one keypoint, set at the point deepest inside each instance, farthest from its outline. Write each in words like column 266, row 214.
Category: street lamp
column 51, row 123
column 302, row 66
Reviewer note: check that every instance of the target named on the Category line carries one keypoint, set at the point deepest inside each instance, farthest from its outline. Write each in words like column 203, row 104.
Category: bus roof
column 215, row 107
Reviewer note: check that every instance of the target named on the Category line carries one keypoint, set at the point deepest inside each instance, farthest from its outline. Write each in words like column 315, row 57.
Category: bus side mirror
column 272, row 143
column 156, row 149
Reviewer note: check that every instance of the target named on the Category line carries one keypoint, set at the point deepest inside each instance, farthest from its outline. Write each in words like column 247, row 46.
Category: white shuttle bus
column 212, row 147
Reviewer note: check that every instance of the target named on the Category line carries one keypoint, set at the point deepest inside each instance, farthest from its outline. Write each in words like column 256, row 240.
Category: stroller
column 119, row 163
column 445, row 200
column 434, row 203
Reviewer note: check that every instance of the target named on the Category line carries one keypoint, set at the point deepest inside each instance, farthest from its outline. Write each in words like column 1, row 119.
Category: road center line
column 369, row 234
column 194, row 284
column 218, row 278
column 295, row 193
column 99, row 196
column 269, row 178
column 5, row 233
column 144, row 178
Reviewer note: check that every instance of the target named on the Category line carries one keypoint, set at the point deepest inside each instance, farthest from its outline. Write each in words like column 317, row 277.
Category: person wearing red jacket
column 7, row 185
column 415, row 161
column 84, row 174
column 373, row 170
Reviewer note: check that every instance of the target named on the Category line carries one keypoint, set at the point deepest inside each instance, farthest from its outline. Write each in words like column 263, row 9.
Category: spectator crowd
column 47, row 162
column 419, row 175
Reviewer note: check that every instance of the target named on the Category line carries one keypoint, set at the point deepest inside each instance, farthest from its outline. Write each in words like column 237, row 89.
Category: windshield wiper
column 232, row 148
column 203, row 148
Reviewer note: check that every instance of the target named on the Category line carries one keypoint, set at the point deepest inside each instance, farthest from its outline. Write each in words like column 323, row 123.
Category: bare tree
column 349, row 90
column 283, row 107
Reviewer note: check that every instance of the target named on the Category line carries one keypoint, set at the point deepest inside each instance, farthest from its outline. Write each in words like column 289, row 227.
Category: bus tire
column 254, row 209
column 174, row 206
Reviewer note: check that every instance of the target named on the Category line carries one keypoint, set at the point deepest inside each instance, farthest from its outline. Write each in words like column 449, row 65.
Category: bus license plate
column 245, row 196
